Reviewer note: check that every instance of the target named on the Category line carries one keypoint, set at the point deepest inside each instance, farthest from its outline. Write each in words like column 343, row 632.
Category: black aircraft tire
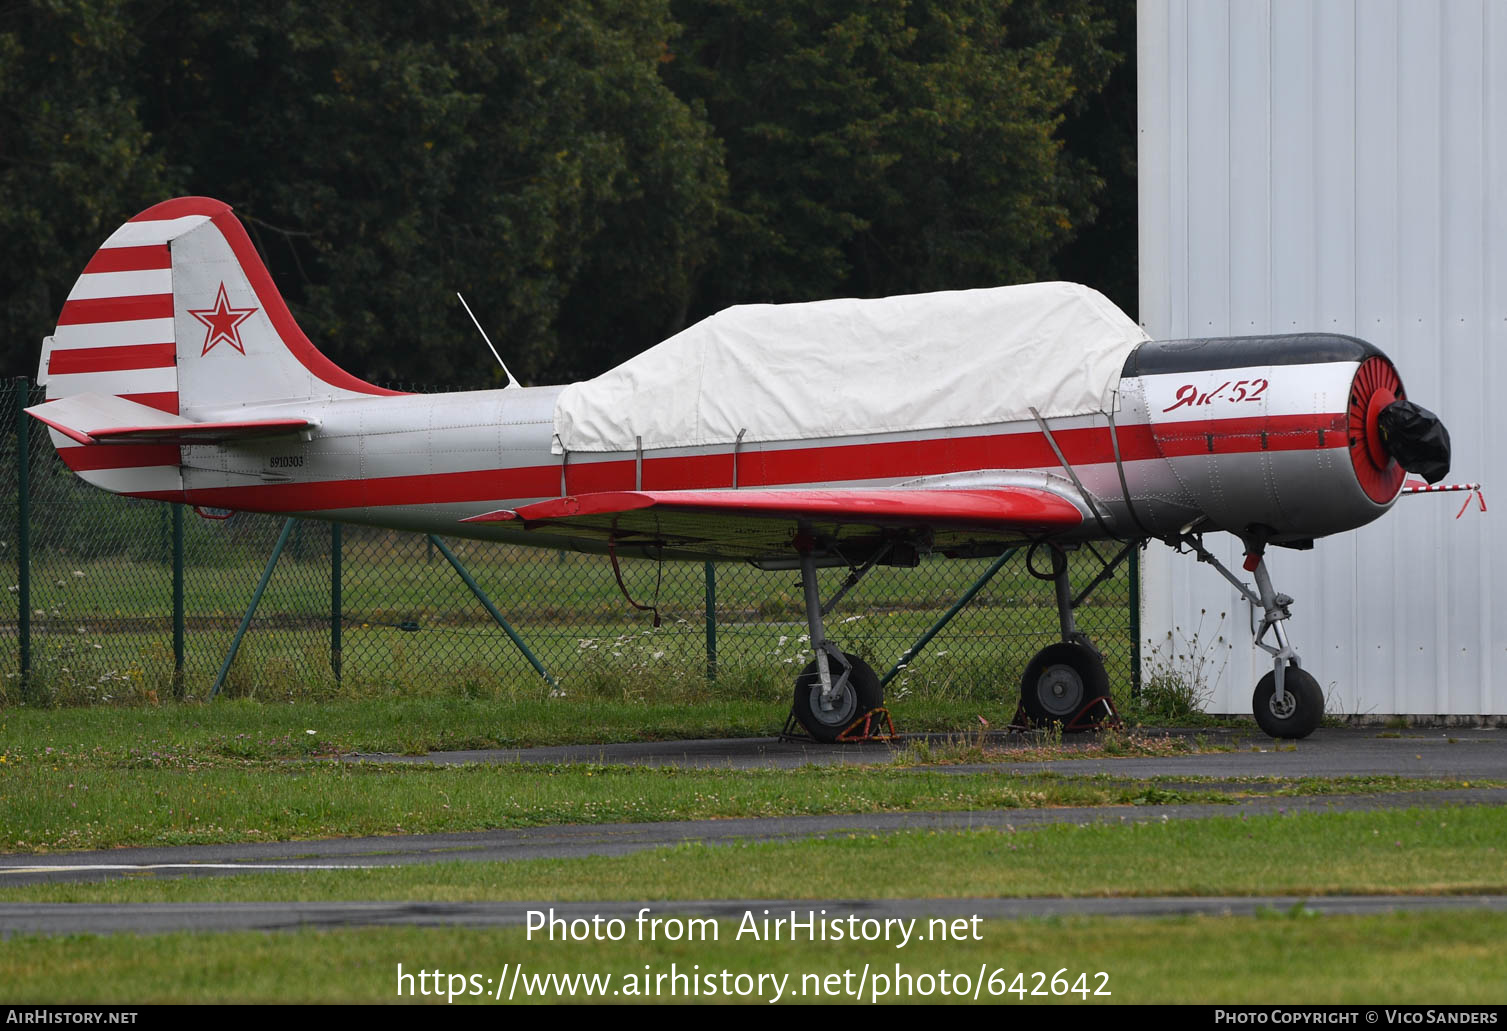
column 1307, row 709
column 860, row 695
column 1060, row 681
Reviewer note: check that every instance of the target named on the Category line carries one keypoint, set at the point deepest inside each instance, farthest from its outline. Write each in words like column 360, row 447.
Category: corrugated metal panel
column 1324, row 164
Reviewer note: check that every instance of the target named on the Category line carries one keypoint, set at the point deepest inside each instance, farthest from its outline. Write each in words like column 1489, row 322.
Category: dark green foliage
column 888, row 147
column 75, row 157
column 1100, row 132
column 592, row 174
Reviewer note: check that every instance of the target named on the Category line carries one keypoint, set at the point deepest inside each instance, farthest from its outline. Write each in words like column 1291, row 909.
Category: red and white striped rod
column 1419, row 487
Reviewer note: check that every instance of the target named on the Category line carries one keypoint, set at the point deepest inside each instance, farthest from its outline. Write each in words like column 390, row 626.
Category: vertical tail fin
column 177, row 312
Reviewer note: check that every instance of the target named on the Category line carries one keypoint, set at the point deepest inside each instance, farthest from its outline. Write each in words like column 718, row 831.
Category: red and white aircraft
column 835, row 433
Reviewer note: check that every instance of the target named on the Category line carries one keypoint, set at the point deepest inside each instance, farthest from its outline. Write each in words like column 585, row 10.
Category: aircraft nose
column 1416, row 438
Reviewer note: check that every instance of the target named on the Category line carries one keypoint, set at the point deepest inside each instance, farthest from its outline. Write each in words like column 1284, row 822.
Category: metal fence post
column 256, row 599
column 1135, row 623
column 335, row 604
column 23, row 525
column 957, row 606
column 492, row 610
column 178, row 620
column 711, row 621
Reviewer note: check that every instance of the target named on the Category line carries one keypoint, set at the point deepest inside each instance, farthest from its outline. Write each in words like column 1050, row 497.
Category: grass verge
column 1457, row 850
column 45, row 808
column 240, row 730
column 1288, row 958
column 85, row 800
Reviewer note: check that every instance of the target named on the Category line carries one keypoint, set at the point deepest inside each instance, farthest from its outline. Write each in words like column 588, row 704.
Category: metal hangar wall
column 1341, row 165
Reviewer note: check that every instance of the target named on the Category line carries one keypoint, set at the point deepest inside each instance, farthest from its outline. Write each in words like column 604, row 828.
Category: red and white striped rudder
column 176, row 313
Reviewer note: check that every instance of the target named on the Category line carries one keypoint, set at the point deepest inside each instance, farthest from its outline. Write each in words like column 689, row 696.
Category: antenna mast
column 512, row 381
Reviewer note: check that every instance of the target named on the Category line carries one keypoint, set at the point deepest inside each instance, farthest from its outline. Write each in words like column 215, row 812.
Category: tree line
column 593, row 175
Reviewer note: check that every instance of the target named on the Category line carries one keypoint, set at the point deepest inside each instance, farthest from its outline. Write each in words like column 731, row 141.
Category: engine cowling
column 1289, row 437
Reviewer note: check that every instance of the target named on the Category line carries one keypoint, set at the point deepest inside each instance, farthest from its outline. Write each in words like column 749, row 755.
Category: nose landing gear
column 1296, row 712
column 1288, row 702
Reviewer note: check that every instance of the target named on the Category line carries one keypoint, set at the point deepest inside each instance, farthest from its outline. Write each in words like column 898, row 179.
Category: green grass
column 1397, row 958
column 1453, row 850
column 248, row 729
column 249, row 771
column 175, row 800
column 77, row 663
column 170, row 797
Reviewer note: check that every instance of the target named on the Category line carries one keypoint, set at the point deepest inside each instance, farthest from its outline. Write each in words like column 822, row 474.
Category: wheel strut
column 1275, row 611
column 835, row 692
column 825, row 650
column 1275, row 608
column 1288, row 702
column 1062, row 585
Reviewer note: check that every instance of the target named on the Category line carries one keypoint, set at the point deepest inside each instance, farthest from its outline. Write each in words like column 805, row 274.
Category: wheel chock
column 874, row 725
column 1079, row 723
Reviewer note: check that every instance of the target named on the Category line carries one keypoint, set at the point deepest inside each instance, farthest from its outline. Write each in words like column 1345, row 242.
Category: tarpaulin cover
column 1417, row 438
column 842, row 367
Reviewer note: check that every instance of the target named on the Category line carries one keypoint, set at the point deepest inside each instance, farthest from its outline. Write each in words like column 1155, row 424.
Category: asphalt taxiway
column 1471, row 753
column 613, row 839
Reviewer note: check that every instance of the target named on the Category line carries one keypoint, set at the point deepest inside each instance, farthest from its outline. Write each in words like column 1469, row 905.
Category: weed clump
column 1179, row 674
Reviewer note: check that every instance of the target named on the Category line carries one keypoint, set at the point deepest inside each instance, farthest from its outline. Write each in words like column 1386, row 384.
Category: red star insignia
column 222, row 321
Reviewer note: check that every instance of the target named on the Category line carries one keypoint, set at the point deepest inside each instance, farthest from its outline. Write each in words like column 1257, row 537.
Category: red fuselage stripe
column 830, row 464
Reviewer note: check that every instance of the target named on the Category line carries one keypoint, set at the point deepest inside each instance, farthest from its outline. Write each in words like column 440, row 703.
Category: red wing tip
column 604, row 503
column 502, row 515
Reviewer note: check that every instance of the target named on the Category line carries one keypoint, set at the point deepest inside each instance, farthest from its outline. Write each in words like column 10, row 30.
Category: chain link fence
column 135, row 600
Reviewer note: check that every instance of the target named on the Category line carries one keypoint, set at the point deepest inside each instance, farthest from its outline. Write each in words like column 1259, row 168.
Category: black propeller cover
column 1416, row 438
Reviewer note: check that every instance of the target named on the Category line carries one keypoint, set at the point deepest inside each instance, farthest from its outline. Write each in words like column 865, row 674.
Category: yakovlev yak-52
column 848, row 433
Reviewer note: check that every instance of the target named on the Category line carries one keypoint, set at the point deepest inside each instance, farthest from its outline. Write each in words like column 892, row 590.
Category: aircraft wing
column 757, row 524
column 106, row 419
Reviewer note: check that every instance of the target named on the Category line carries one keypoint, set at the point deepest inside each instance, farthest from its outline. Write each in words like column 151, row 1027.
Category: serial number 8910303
column 1038, row 983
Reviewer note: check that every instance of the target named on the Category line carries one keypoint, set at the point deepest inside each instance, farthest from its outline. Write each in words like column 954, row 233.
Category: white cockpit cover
column 836, row 368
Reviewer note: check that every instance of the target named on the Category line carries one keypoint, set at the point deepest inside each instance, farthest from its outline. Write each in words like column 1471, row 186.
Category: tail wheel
column 861, row 694
column 1301, row 709
column 1060, row 682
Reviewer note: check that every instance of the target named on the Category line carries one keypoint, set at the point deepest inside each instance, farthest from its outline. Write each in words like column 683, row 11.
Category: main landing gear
column 1065, row 683
column 836, row 690
column 1288, row 702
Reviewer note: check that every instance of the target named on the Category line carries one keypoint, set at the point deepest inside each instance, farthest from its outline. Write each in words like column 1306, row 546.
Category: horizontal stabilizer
column 107, row 419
